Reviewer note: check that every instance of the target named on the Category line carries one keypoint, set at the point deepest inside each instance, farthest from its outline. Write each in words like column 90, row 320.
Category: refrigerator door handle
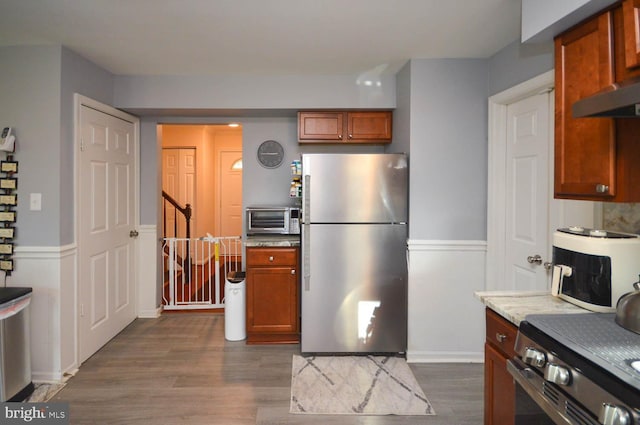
column 306, row 260
column 306, row 202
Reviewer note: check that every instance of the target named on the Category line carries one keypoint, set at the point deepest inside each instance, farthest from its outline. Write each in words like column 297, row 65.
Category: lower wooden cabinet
column 499, row 387
column 272, row 296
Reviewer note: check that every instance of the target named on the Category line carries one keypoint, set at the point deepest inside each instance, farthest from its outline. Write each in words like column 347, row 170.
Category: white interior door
column 106, row 285
column 520, row 173
column 230, row 193
column 179, row 181
column 527, row 192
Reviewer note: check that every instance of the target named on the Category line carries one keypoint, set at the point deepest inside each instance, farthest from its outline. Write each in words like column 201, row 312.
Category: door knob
column 534, row 259
column 133, row 234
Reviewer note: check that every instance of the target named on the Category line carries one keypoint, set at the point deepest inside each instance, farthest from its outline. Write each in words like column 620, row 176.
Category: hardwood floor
column 178, row 369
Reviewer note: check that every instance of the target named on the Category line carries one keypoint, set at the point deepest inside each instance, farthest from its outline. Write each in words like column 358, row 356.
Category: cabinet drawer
column 501, row 333
column 272, row 257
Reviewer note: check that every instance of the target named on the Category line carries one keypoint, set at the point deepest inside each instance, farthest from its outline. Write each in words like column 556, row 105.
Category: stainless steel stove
column 578, row 369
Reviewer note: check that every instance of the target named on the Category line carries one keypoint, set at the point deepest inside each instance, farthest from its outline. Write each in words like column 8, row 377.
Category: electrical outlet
column 35, row 201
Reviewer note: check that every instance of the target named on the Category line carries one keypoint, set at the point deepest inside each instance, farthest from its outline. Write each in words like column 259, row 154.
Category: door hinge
column 81, row 310
column 81, row 144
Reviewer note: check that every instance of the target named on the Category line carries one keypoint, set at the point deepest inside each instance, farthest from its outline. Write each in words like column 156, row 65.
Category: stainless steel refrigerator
column 354, row 253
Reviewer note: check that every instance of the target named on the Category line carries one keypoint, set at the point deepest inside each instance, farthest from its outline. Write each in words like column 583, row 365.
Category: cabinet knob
column 293, row 271
column 500, row 337
column 351, row 136
column 271, row 258
column 602, row 188
column 340, row 136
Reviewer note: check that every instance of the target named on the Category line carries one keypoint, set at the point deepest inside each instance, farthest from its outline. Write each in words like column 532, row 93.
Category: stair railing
column 186, row 212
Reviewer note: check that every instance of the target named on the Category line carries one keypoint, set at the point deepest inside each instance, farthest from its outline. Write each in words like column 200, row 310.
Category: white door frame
column 496, row 194
column 560, row 212
column 78, row 102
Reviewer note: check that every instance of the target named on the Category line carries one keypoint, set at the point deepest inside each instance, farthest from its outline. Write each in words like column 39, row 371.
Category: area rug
column 355, row 385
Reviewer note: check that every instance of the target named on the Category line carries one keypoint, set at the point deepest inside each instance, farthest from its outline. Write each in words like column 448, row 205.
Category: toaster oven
column 273, row 221
column 594, row 268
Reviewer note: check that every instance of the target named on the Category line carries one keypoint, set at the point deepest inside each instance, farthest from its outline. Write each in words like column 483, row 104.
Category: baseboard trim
column 150, row 314
column 446, row 245
column 444, row 357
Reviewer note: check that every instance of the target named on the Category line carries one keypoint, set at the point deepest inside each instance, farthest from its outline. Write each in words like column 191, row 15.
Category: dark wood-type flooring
column 178, row 369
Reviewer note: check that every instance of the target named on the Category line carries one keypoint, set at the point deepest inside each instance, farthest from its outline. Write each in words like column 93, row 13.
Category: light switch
column 35, row 202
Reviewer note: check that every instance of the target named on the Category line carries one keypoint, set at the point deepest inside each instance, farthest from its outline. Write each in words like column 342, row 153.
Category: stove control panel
column 610, row 414
column 534, row 357
column 557, row 374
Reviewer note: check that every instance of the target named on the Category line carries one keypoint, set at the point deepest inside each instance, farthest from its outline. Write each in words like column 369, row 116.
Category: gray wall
column 543, row 19
column 30, row 102
column 517, row 63
column 233, row 93
column 448, row 131
column 38, row 85
column 83, row 77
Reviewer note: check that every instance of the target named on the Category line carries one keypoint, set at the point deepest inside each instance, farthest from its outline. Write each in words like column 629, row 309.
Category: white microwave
column 273, row 221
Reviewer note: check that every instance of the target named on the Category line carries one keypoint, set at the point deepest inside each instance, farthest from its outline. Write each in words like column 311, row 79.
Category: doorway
column 520, row 188
column 202, row 166
column 202, row 198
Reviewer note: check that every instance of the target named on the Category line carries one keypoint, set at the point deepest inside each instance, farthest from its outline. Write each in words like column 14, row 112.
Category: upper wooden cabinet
column 631, row 13
column 585, row 157
column 344, row 127
column 595, row 158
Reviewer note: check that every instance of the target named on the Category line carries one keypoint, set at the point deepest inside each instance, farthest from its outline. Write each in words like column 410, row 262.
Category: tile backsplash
column 621, row 217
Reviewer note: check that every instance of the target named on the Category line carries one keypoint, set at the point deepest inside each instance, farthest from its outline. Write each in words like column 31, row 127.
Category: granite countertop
column 515, row 305
column 272, row 241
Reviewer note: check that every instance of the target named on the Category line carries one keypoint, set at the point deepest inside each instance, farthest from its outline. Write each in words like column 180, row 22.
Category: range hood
column 618, row 100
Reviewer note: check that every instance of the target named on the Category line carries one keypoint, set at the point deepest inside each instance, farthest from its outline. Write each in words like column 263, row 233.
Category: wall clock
column 270, row 154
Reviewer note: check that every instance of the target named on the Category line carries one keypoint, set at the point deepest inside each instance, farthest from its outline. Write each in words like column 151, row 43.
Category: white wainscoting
column 51, row 272
column 446, row 321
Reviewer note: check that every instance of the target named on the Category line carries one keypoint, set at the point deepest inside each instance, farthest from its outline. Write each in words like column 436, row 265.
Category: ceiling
column 262, row 37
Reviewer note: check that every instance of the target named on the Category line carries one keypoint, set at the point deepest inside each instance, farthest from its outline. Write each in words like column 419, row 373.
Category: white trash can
column 234, row 307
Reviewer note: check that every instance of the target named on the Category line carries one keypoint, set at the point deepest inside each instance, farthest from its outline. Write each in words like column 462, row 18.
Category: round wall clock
column 270, row 154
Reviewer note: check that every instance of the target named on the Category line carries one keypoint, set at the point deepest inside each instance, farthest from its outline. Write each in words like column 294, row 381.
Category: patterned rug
column 355, row 385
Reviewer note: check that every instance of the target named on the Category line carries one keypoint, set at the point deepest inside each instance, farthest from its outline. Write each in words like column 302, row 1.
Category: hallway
column 178, row 369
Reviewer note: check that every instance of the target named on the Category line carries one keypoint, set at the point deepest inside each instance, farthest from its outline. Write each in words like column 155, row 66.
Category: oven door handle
column 532, row 383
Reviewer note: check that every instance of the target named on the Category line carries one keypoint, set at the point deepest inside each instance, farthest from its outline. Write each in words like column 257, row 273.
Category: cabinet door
column 499, row 389
column 631, row 13
column 272, row 300
column 585, row 151
column 368, row 126
column 320, row 126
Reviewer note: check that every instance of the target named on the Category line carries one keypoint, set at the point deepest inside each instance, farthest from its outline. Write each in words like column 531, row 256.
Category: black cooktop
column 592, row 342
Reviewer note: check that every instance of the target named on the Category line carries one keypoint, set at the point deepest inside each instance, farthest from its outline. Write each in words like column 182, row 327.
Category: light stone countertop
column 515, row 305
column 272, row 241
